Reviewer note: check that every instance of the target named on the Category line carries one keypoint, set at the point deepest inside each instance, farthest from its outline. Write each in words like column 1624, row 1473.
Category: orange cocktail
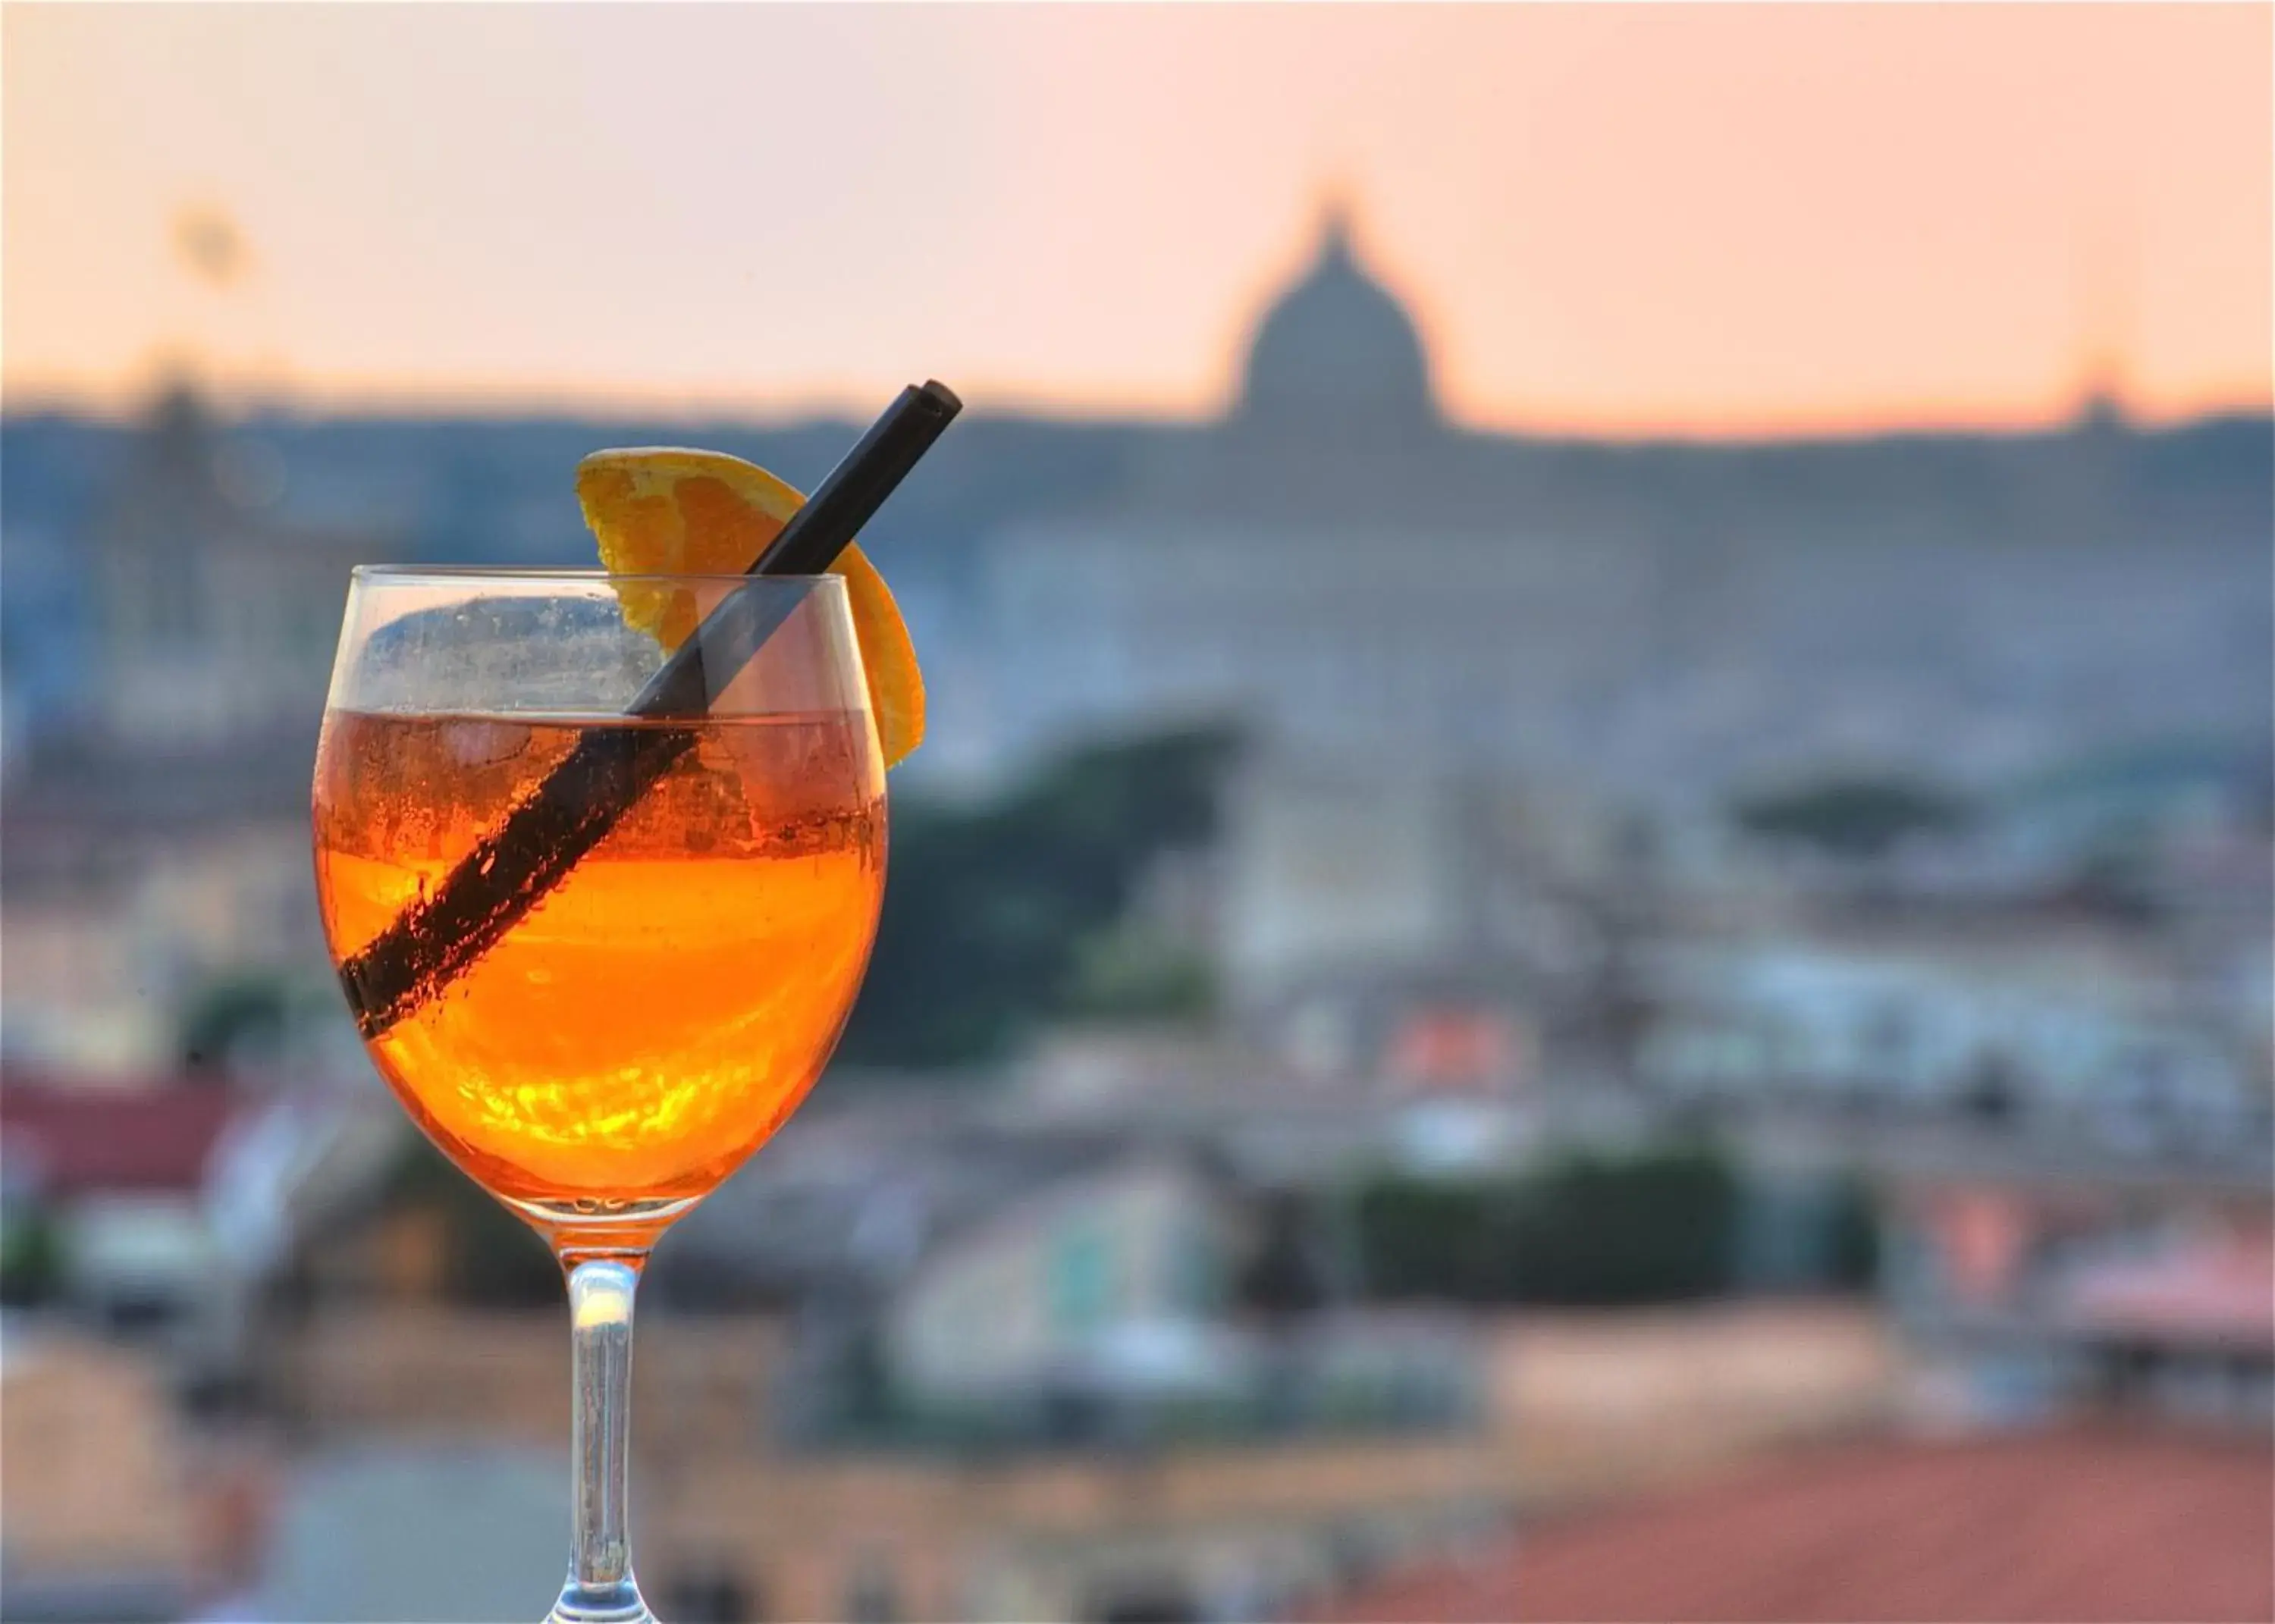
column 600, row 856
column 668, row 1004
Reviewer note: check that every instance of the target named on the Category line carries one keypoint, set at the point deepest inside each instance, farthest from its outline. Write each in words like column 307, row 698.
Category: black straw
column 572, row 810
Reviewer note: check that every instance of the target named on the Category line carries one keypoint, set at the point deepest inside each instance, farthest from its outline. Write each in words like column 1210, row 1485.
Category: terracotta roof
column 2075, row 1526
column 73, row 1140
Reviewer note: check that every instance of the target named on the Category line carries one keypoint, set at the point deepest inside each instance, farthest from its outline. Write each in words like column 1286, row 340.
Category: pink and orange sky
column 1619, row 220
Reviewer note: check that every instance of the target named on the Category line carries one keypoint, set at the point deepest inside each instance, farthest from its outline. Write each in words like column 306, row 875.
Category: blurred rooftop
column 2074, row 1526
column 121, row 1138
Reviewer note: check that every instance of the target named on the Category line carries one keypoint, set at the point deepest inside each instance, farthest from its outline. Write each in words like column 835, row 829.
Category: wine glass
column 598, row 943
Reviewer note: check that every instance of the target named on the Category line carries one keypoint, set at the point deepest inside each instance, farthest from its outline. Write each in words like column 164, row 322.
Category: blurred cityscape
column 1671, row 1002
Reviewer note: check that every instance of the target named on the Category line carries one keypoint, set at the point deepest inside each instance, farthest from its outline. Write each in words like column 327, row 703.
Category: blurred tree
column 1853, row 816
column 1284, row 1274
column 1653, row 1228
column 1441, row 1238
column 1852, row 1239
column 1582, row 1230
column 1123, row 974
column 229, row 1013
column 994, row 915
column 31, row 1259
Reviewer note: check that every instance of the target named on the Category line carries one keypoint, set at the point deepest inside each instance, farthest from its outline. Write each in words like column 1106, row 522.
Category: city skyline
column 1730, row 222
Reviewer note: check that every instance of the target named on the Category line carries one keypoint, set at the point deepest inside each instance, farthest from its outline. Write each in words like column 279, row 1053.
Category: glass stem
column 600, row 1588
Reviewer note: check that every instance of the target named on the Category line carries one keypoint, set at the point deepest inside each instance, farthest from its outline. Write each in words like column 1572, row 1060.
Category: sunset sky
column 1624, row 220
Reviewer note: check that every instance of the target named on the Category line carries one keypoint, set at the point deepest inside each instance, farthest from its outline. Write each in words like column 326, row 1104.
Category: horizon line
column 125, row 404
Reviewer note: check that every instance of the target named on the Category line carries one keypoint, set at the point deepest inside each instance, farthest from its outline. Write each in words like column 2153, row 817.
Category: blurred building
column 1431, row 1071
column 152, row 1212
column 405, row 1366
column 2087, row 1030
column 159, row 844
column 1331, row 870
column 2031, row 1297
column 99, row 1523
column 219, row 605
column 1060, row 1285
column 119, row 1175
column 1116, row 1277
column 1604, row 1404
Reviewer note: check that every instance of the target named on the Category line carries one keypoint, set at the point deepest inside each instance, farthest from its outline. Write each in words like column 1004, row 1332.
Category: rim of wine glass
column 415, row 573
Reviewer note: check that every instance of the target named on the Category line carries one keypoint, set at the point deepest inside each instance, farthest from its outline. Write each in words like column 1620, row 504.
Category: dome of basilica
column 1337, row 348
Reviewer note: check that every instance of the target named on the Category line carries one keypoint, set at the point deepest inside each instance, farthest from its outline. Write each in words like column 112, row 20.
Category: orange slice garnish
column 660, row 510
